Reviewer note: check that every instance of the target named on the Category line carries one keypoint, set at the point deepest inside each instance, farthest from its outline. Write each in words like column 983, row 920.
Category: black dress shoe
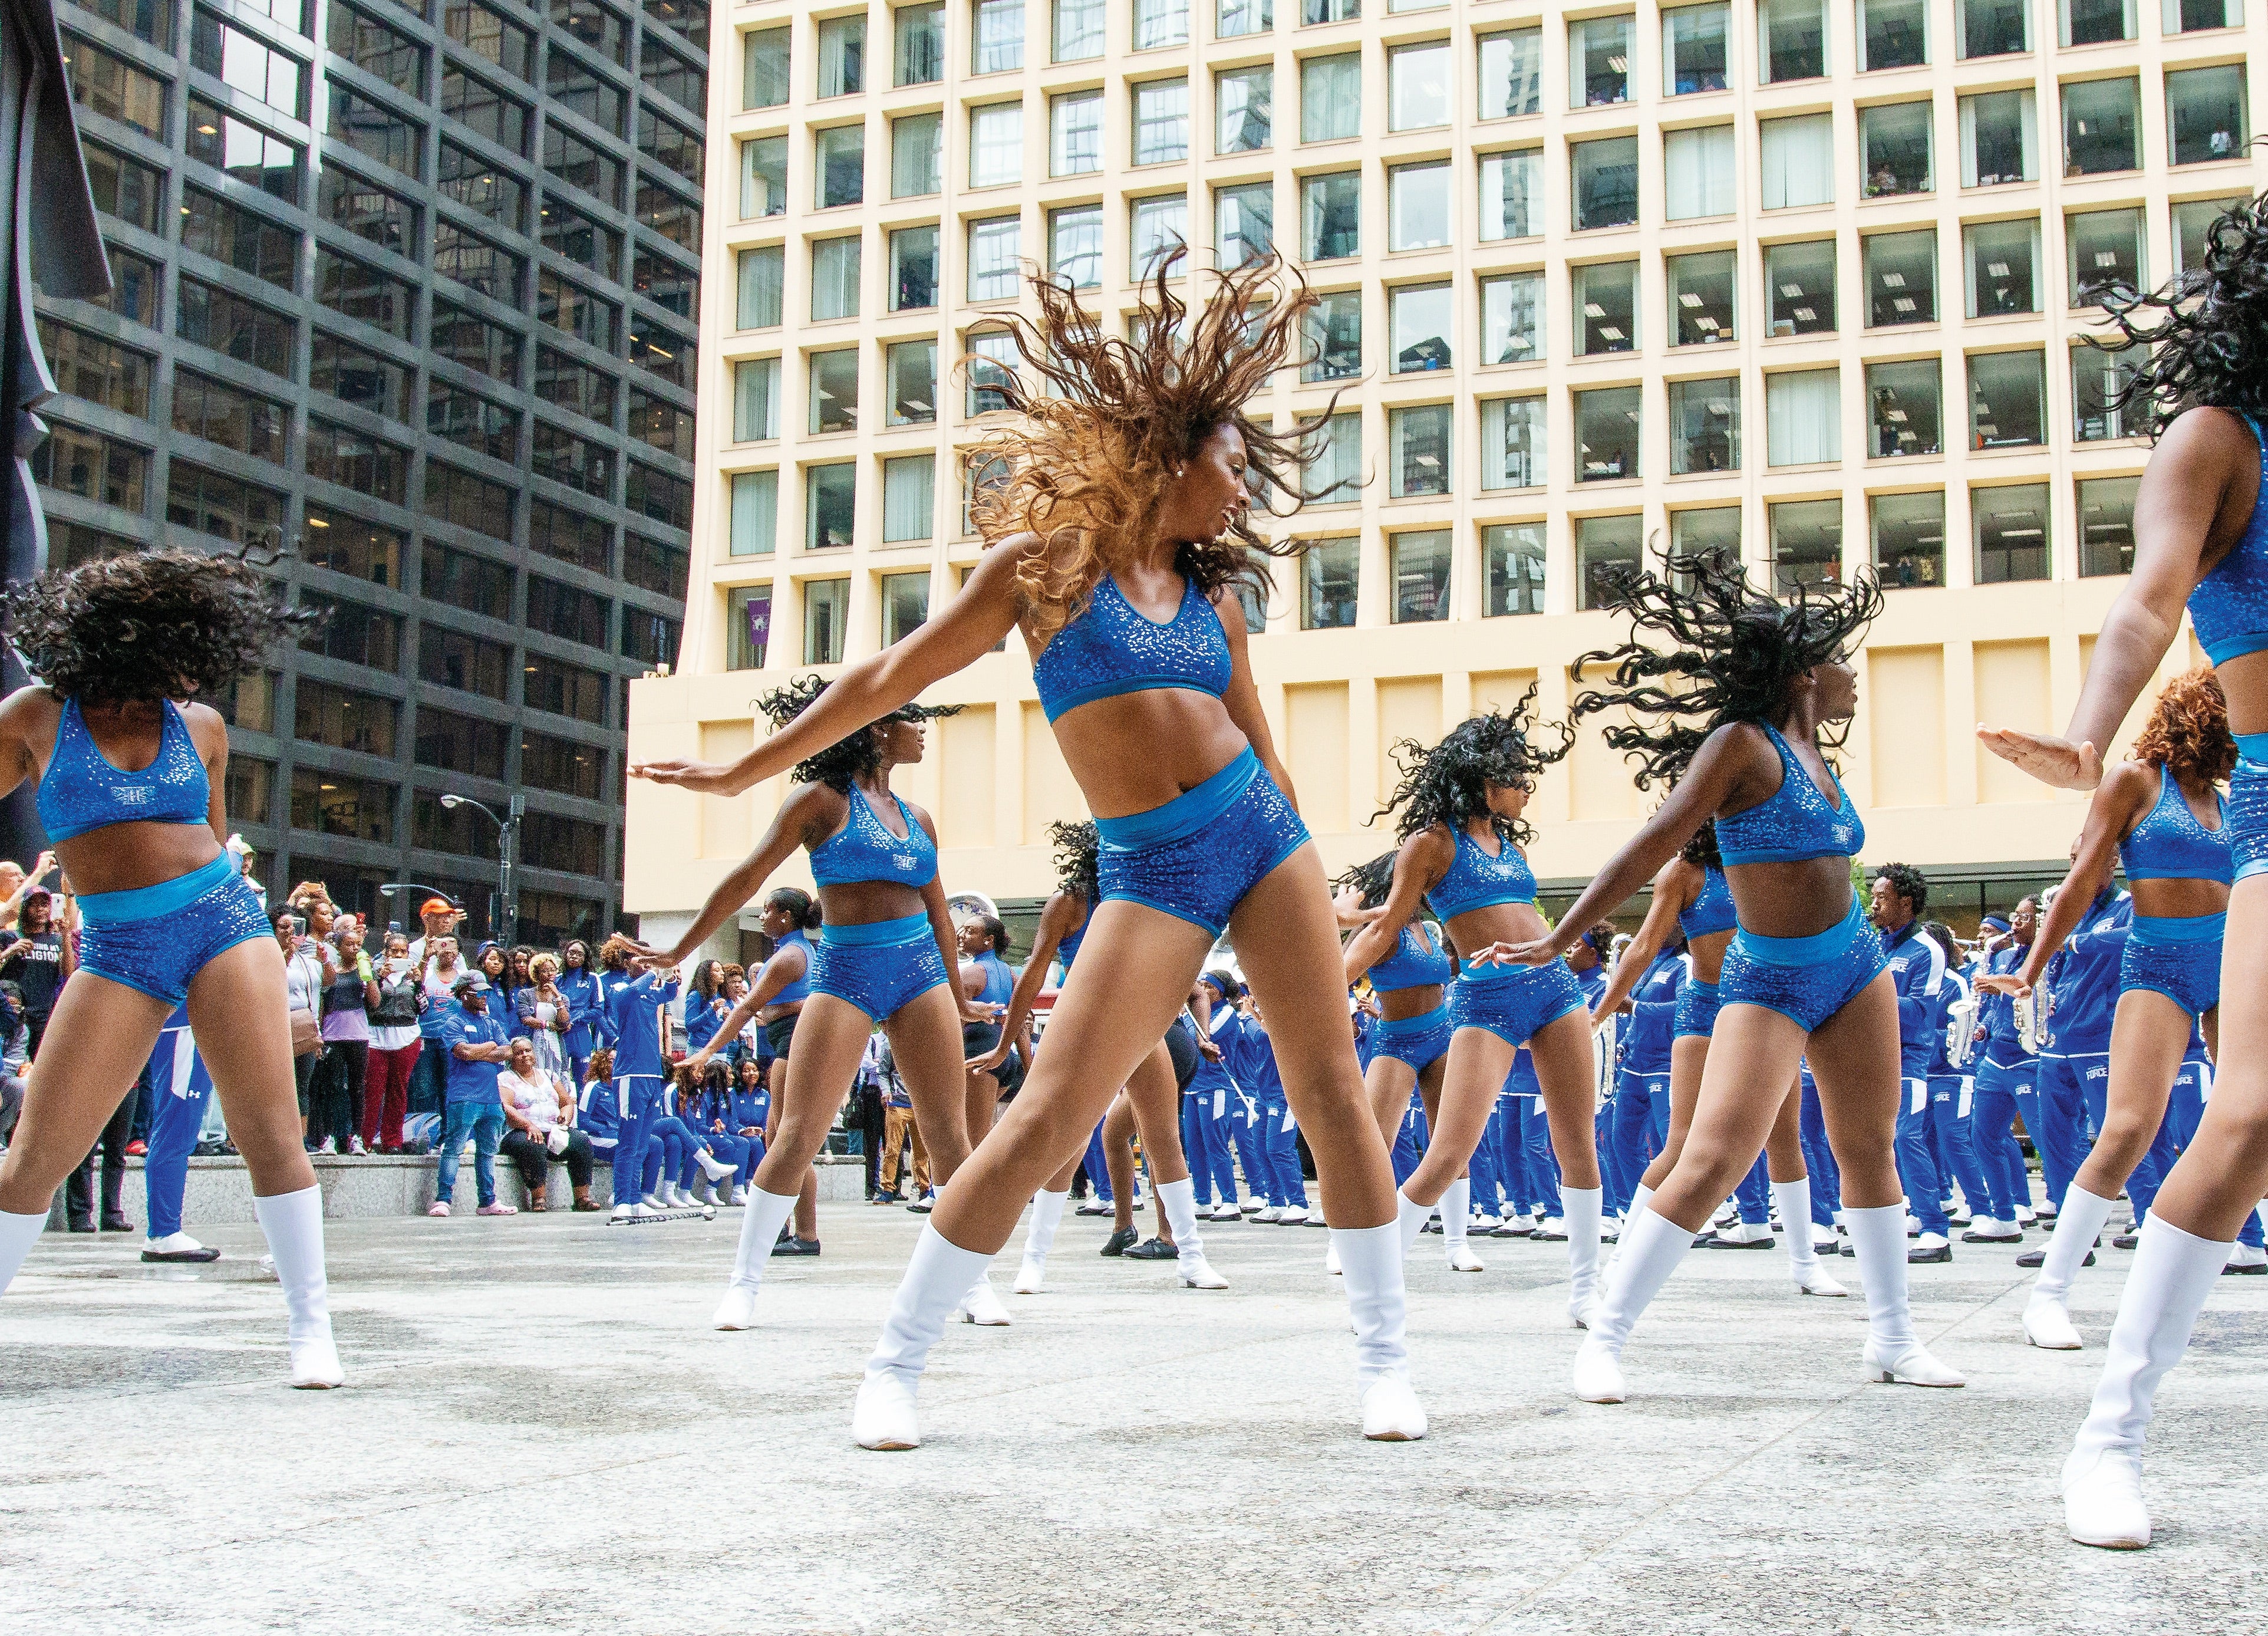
column 1938, row 1252
column 203, row 1252
column 1154, row 1249
column 117, row 1222
column 82, row 1226
column 2017, row 1237
column 2125, row 1240
column 1120, row 1242
column 2038, row 1258
column 1432, row 1226
column 793, row 1246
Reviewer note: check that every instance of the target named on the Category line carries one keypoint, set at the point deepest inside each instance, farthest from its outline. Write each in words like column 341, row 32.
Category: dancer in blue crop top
column 2162, row 816
column 1119, row 540
column 1459, row 821
column 131, row 785
column 1757, row 683
column 881, row 959
column 2201, row 538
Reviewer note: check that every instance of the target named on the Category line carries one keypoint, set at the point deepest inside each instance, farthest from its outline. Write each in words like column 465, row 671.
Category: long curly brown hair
column 2187, row 729
column 1102, row 422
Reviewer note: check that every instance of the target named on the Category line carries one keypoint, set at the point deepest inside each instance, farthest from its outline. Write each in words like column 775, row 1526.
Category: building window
column 1909, row 538
column 835, row 267
column 764, row 81
column 1333, row 471
column 2011, row 530
column 1329, row 574
column 1418, row 89
column 749, row 626
column 233, row 55
column 754, row 524
column 2106, row 524
column 1606, row 548
column 839, row 156
column 763, row 178
column 905, row 602
column 1330, row 97
column 919, row 44
column 1696, row 173
column 1079, row 29
column 1607, row 434
column 2096, row 22
column 1075, row 133
column 1075, row 245
column 1417, row 451
column 2000, row 139
column 1421, row 576
column 1314, row 12
column 93, row 466
column 1244, row 223
column 1807, row 545
column 911, row 367
column 1693, row 50
column 1511, row 318
column 1705, row 528
column 1511, row 74
column 835, row 390
column 913, row 269
column 1992, row 28
column 1705, row 426
column 2186, row 17
column 1803, row 418
column 1418, row 319
column 1606, row 308
column 1598, row 60
column 1159, row 235
column 842, row 56
column 1893, row 34
column 2204, row 113
column 1901, row 273
column 1161, row 121
column 1702, row 305
column 909, row 501
column 2102, row 127
column 1799, row 288
column 1160, row 23
column 2098, row 376
column 1894, row 148
column 762, row 273
column 1512, row 449
column 228, row 508
column 219, row 413
column 2003, row 267
column 916, row 156
column 830, row 500
column 755, row 400
column 1605, row 182
column 1244, row 110
column 2105, row 251
column 1331, row 211
column 2193, row 222
column 992, row 251
column 1236, row 18
column 998, row 41
column 826, row 614
column 991, row 368
column 2008, row 399
column 1331, row 337
column 1799, row 161
column 995, row 144
column 1417, row 206
column 1512, row 195
column 1512, row 569
column 1903, row 408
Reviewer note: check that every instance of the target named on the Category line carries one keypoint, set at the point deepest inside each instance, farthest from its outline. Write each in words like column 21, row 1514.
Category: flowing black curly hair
column 2203, row 335
column 1448, row 783
column 1374, row 879
column 1078, row 859
column 147, row 625
column 1701, row 850
column 1733, row 654
column 848, row 759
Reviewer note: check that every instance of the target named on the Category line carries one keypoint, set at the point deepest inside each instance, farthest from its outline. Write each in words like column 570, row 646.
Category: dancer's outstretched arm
column 1062, row 915
column 2110, row 815
column 1669, row 896
column 811, row 812
column 1419, row 863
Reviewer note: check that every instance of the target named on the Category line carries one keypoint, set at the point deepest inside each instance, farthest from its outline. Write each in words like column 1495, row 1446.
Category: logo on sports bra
column 132, row 794
column 903, row 862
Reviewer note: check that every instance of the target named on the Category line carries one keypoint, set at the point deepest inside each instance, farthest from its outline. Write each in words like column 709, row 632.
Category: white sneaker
column 2246, row 1258
column 2047, row 1325
column 884, row 1416
column 355, row 1146
column 1391, row 1412
column 706, row 1194
column 2024, row 1216
column 1331, row 1261
column 737, row 1310
column 735, row 1198
column 625, row 1212
column 1610, row 1231
column 1197, row 1273
column 654, row 1203
column 1226, row 1211
column 982, row 1306
column 1551, row 1230
column 1598, row 1373
column 710, row 1166
column 1270, row 1216
column 1461, row 1259
column 1483, row 1222
column 1031, row 1277
column 2102, row 1502
column 1293, row 1215
column 1252, row 1206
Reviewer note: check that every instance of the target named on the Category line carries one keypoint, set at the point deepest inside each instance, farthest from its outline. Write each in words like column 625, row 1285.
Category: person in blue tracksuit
column 1917, row 965
column 705, row 1110
column 746, row 1107
column 2006, row 1070
column 1819, row 1159
column 183, row 1091
column 1256, row 1067
column 598, row 1110
column 1409, row 1139
column 636, row 1018
column 988, row 978
column 1210, row 1107
column 473, row 1039
column 1648, row 1032
column 2193, row 1089
column 580, row 987
column 1953, row 1012
column 2081, row 980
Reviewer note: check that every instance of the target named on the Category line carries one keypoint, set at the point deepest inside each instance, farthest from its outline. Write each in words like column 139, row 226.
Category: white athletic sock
column 1047, row 1216
column 1651, row 1247
column 1370, row 1263
column 1179, row 1201
column 2083, row 1218
column 293, row 1224
column 16, row 1236
column 1793, row 1199
column 1878, row 1240
column 1456, row 1209
column 1580, row 1207
column 2173, row 1273
column 937, row 1278
column 760, row 1224
column 1409, row 1218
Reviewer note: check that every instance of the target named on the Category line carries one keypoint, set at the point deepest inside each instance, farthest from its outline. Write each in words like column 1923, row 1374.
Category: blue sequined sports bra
column 1476, row 880
column 1067, row 950
column 81, row 790
column 1795, row 823
column 2170, row 844
column 1418, row 961
column 1712, row 910
column 1113, row 647
column 2229, row 606
column 800, row 989
column 863, row 850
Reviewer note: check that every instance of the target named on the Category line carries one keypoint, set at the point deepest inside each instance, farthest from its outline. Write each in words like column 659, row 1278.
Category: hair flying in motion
column 149, row 625
column 2207, row 344
column 2187, row 729
column 1078, row 859
column 1374, row 880
column 1448, row 783
column 1103, row 422
column 848, row 758
column 1732, row 654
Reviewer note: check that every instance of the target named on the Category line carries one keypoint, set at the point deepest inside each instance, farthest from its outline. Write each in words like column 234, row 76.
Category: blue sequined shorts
column 2248, row 813
column 1419, row 1041
column 1513, row 1002
column 879, row 966
column 1697, row 1004
column 1196, row 857
column 1806, row 979
column 156, row 938
column 2177, row 957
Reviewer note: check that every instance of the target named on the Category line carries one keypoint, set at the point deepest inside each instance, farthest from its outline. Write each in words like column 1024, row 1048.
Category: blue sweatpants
column 2175, row 1131
column 1819, row 1159
column 1247, row 1127
column 1284, row 1153
column 1753, row 1195
column 1917, row 1158
column 1204, row 1143
column 725, row 1150
column 181, row 1090
column 1543, row 1165
column 640, row 1098
column 1098, row 1169
column 1991, row 1133
column 2061, row 1131
column 1409, row 1146
column 1637, row 1136
column 1955, row 1147
column 1488, row 1160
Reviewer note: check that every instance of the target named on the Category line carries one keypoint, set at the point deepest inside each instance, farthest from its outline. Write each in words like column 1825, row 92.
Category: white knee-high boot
column 1047, row 1216
column 2173, row 1273
column 1179, row 1201
column 2047, row 1315
column 1580, row 1208
column 1651, row 1247
column 1878, row 1239
column 1456, row 1217
column 17, row 1234
column 1410, row 1218
column 1795, row 1201
column 1370, row 1260
column 293, row 1223
column 937, row 1278
column 760, row 1225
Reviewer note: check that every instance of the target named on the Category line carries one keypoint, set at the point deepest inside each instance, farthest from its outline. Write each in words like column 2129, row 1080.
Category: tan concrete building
column 1810, row 276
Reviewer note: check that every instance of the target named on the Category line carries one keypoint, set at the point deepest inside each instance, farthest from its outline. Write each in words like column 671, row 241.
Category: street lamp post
column 415, row 889
column 503, row 908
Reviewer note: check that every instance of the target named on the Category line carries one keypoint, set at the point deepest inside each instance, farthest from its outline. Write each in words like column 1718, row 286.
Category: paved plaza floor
column 541, row 1433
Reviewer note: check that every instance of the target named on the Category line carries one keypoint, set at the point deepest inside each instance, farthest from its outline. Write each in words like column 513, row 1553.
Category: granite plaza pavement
column 542, row 1433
